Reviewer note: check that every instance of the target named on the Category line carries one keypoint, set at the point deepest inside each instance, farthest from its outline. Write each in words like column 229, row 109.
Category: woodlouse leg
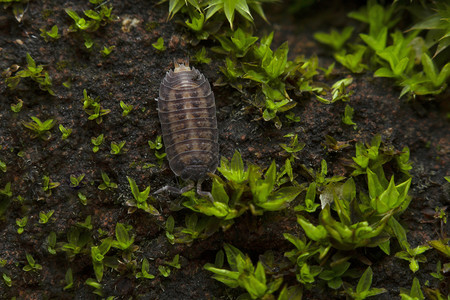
column 203, row 193
column 175, row 190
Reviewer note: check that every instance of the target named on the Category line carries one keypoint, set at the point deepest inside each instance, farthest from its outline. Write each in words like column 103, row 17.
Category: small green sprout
column 7, row 280
column 51, row 243
column 439, row 274
column 157, row 145
column 75, row 181
column 140, row 199
column 348, row 115
column 196, row 228
column 98, row 288
column 93, row 108
column 82, row 198
column 88, row 42
column 159, row 44
column 415, row 293
column 48, row 185
column 21, row 223
column 414, row 256
column 294, row 146
column 96, row 19
column 3, row 262
column 334, row 39
column 3, row 167
column 310, row 205
column 127, row 108
column 116, row 148
column 69, row 279
column 77, row 239
column 175, row 263
column 363, row 289
column 338, row 91
column 97, row 141
column 44, row 217
column 40, row 129
column 164, row 271
column 17, row 107
column 6, row 190
column 201, row 57
column 50, row 35
column 243, row 273
column 107, row 183
column 145, row 270
column 352, row 61
column 32, row 265
column 107, row 51
column 123, row 239
column 333, row 275
column 35, row 73
column 66, row 132
column 86, row 224
column 98, row 255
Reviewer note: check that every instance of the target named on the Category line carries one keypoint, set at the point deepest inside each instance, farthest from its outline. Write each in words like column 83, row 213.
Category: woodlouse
column 187, row 113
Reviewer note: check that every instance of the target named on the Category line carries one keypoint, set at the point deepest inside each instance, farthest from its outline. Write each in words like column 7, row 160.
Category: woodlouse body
column 187, row 113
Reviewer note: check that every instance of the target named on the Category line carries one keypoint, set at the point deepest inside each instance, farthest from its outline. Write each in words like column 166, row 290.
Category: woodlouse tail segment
column 181, row 65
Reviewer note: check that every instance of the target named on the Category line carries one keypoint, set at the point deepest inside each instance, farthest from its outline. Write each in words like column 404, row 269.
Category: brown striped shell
column 187, row 113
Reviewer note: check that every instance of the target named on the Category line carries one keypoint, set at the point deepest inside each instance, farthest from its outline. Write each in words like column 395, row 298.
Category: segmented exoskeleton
column 187, row 113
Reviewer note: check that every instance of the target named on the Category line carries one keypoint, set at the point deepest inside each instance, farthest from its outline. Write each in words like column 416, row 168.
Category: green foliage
column 127, row 108
column 219, row 9
column 95, row 18
column 145, row 270
column 44, row 217
column 75, row 181
column 107, row 51
column 7, row 280
column 97, row 141
column 348, row 115
column 294, row 146
column 93, row 108
column 107, row 183
column 414, row 256
column 334, row 39
column 201, row 57
column 157, row 145
column 51, row 243
column 17, row 107
column 140, row 199
column 363, row 289
column 404, row 57
column 32, row 265
column 48, row 185
column 98, row 257
column 244, row 274
column 77, row 241
column 39, row 128
column 50, row 35
column 3, row 167
column 35, row 73
column 21, row 223
column 66, row 132
column 69, row 279
column 196, row 228
column 244, row 189
column 415, row 293
column 116, row 148
column 6, row 190
column 338, row 91
column 123, row 239
column 159, row 44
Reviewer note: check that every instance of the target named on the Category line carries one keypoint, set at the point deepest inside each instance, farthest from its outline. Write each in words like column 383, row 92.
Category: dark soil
column 132, row 73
